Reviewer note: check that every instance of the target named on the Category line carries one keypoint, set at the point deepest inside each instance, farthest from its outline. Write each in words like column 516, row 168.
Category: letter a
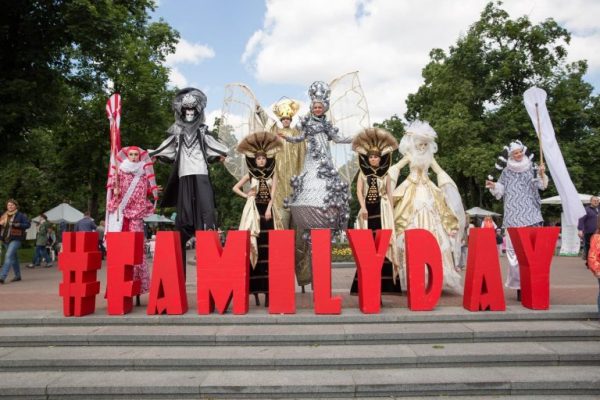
column 483, row 283
column 167, row 288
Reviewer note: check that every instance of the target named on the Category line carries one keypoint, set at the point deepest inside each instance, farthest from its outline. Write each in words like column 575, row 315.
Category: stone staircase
column 398, row 353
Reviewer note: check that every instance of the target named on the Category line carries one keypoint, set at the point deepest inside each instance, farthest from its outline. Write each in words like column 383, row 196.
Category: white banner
column 535, row 103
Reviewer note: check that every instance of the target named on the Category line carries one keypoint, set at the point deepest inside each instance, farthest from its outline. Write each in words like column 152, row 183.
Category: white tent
column 58, row 214
column 480, row 212
column 569, row 240
column 585, row 199
column 155, row 218
column 64, row 212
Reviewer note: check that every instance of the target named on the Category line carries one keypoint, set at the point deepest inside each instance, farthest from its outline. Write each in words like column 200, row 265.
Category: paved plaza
column 570, row 283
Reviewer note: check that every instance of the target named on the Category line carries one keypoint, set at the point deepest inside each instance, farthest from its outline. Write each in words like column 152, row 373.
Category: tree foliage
column 59, row 62
column 473, row 97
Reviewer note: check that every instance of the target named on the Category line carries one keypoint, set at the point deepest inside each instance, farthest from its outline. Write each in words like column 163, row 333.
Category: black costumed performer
column 320, row 197
column 190, row 147
column 374, row 191
column 259, row 214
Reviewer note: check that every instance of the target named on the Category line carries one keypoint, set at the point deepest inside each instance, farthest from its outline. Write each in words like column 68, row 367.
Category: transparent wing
column 349, row 112
column 240, row 116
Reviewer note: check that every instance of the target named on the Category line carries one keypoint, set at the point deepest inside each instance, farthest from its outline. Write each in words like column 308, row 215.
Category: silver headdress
column 319, row 93
column 189, row 98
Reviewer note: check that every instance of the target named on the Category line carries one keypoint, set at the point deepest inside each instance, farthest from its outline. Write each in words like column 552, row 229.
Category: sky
column 279, row 47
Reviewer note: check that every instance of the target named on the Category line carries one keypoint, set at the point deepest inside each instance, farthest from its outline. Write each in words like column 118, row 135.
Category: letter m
column 222, row 273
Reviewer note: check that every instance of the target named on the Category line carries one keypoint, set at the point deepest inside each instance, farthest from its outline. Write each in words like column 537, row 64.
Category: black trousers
column 195, row 208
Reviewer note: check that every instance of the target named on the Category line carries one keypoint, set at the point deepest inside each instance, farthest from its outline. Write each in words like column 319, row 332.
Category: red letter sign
column 534, row 248
column 222, row 273
column 79, row 262
column 167, row 288
column 423, row 253
column 125, row 249
column 369, row 255
column 282, row 280
column 483, row 283
column 321, row 264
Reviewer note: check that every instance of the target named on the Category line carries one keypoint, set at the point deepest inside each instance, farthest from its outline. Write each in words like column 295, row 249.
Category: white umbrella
column 480, row 212
column 585, row 199
column 155, row 218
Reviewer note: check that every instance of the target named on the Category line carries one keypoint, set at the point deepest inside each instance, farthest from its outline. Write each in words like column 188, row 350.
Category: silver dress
column 320, row 197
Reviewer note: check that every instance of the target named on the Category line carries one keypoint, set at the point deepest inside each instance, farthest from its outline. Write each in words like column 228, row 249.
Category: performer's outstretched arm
column 293, row 139
column 395, row 169
column 334, row 135
column 166, row 152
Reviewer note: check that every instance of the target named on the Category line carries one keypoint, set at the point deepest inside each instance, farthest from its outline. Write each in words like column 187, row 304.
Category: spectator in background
column 62, row 227
column 51, row 244
column 499, row 241
column 41, row 238
column 13, row 224
column 86, row 224
column 488, row 222
column 593, row 261
column 588, row 224
column 100, row 230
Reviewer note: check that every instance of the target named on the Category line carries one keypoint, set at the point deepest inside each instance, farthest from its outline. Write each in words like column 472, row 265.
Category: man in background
column 588, row 224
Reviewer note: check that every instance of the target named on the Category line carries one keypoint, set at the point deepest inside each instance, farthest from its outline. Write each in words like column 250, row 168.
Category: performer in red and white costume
column 128, row 203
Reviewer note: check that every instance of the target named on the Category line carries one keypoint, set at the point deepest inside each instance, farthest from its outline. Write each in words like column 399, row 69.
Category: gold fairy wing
column 348, row 111
column 241, row 115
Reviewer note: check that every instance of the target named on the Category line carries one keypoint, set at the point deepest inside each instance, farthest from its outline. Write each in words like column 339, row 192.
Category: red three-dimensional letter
column 282, row 284
column 423, row 253
column 222, row 273
column 321, row 264
column 369, row 255
column 79, row 261
column 534, row 248
column 124, row 250
column 483, row 283
column 167, row 288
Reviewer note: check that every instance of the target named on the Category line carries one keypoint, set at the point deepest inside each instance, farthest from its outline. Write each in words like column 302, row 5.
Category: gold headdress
column 375, row 141
column 257, row 144
column 286, row 108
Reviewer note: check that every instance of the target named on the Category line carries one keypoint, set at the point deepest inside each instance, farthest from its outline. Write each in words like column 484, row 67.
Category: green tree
column 57, row 61
column 472, row 96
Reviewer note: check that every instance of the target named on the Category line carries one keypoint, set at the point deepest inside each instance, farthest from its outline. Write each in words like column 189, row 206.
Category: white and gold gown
column 253, row 220
column 420, row 204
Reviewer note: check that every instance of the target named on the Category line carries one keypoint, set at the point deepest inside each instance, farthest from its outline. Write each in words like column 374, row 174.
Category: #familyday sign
column 223, row 272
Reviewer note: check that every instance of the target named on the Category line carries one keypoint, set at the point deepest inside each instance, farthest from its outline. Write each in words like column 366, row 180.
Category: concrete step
column 303, row 316
column 298, row 334
column 167, row 358
column 490, row 381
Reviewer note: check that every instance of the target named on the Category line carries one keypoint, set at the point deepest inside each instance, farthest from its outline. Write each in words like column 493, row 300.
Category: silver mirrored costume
column 190, row 147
